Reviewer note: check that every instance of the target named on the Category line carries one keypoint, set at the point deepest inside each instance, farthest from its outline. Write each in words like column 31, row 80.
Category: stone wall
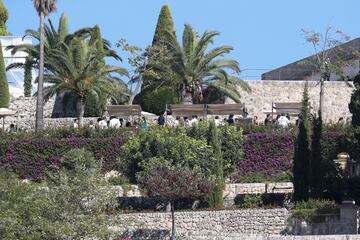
column 232, row 224
column 337, row 97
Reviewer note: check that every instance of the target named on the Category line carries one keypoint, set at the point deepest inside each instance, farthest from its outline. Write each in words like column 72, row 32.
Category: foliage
column 302, row 152
column 315, row 210
column 266, row 153
column 95, row 106
column 27, row 78
column 118, row 180
column 155, row 101
column 4, row 87
column 354, row 105
column 252, row 201
column 231, row 140
column 255, row 177
column 316, row 162
column 79, row 67
column 165, row 147
column 216, row 197
column 164, row 25
column 174, row 183
column 4, row 15
column 71, row 205
column 33, row 158
column 353, row 189
column 196, row 67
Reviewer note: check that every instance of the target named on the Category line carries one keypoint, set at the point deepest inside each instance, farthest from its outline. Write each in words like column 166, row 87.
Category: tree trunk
column 133, row 95
column 173, row 220
column 39, row 125
column 80, row 108
column 321, row 107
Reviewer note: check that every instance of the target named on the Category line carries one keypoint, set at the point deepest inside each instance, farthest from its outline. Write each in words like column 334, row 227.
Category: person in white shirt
column 114, row 122
column 102, row 123
column 217, row 121
column 75, row 125
column 283, row 121
column 194, row 120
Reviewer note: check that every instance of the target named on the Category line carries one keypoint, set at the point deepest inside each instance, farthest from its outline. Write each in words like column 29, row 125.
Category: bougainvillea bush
column 266, row 153
column 34, row 158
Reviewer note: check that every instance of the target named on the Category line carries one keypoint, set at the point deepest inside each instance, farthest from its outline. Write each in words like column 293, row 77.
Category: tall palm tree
column 43, row 8
column 79, row 67
column 196, row 67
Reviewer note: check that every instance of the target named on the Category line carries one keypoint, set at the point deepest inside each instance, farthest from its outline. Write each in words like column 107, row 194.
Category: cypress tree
column 4, row 87
column 216, row 198
column 27, row 78
column 165, row 24
column 316, row 164
column 4, row 15
column 302, row 152
column 354, row 105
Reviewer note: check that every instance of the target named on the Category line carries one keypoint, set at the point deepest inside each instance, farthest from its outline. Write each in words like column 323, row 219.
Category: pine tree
column 354, row 105
column 302, row 152
column 27, row 78
column 316, row 171
column 4, row 87
column 4, row 15
column 164, row 25
column 216, row 198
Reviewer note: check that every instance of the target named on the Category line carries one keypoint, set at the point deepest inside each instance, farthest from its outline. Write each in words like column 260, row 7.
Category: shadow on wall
column 146, row 234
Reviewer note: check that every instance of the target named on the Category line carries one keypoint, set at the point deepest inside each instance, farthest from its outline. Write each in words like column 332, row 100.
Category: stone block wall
column 337, row 97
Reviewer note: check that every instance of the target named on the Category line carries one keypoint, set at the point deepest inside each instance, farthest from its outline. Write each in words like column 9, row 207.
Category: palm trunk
column 173, row 220
column 80, row 108
column 39, row 124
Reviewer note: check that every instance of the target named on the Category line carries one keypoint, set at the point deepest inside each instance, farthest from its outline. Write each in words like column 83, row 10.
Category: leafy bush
column 261, row 178
column 232, row 142
column 71, row 206
column 118, row 180
column 315, row 210
column 155, row 101
column 34, row 158
column 165, row 147
column 268, row 154
column 252, row 201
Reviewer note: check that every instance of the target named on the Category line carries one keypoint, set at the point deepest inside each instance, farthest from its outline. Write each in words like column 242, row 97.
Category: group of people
column 185, row 121
column 281, row 120
column 114, row 122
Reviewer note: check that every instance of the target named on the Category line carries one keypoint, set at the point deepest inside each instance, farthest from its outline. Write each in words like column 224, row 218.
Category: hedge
column 33, row 158
column 268, row 154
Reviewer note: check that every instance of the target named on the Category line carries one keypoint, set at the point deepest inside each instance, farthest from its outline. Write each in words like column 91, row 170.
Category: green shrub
column 70, row 206
column 262, row 178
column 252, row 201
column 315, row 210
column 154, row 101
column 231, row 140
column 118, row 180
column 4, row 86
column 165, row 147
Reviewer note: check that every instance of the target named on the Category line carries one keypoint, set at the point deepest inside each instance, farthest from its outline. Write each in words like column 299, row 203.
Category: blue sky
column 265, row 33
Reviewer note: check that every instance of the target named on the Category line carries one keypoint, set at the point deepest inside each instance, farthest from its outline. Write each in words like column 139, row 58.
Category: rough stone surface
column 232, row 224
column 337, row 97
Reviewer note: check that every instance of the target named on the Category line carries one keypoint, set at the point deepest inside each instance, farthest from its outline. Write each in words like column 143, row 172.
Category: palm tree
column 79, row 67
column 43, row 8
column 196, row 68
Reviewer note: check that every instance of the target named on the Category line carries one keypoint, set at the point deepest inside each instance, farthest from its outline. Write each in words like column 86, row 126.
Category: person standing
column 114, row 122
column 161, row 120
column 230, row 119
column 143, row 124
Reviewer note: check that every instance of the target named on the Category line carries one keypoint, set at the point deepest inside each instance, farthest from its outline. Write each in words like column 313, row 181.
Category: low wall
column 233, row 224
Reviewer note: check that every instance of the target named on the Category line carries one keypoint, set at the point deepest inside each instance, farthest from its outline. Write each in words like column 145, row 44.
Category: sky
column 265, row 34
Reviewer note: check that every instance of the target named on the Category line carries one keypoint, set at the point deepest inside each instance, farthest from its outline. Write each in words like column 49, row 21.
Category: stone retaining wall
column 233, row 224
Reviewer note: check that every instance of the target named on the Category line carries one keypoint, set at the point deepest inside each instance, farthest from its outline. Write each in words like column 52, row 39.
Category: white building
column 15, row 77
